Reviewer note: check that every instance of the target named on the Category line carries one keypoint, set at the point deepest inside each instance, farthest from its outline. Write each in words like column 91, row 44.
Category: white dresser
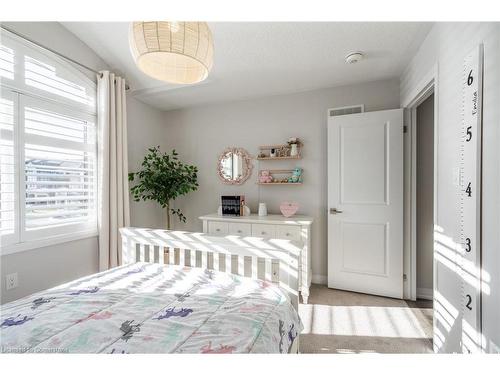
column 296, row 228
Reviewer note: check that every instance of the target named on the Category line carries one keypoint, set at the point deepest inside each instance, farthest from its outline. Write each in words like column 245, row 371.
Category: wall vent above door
column 340, row 111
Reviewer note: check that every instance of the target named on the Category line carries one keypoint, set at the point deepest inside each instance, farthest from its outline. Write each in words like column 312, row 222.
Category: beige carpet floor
column 337, row 321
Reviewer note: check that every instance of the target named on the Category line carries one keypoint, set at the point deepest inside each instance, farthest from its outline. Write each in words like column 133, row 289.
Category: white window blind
column 48, row 150
column 7, row 167
column 45, row 77
column 60, row 159
column 6, row 62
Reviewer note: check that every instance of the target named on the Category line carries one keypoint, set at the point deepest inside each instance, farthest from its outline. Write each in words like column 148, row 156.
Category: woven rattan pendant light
column 175, row 52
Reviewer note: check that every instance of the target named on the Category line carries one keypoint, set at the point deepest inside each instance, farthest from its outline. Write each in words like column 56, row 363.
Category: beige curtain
column 113, row 204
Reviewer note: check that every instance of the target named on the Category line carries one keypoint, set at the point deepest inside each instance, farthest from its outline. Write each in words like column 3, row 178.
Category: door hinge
column 404, row 277
column 405, row 129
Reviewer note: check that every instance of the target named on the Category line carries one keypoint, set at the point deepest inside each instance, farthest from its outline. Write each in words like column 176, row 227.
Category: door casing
column 427, row 86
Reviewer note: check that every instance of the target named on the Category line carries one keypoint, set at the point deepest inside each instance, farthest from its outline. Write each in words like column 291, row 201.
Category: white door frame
column 419, row 93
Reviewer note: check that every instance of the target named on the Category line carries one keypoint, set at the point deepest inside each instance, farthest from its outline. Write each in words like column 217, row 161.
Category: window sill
column 55, row 240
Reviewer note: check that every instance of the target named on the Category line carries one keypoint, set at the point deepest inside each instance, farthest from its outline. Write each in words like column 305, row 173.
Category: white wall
column 42, row 268
column 200, row 134
column 425, row 196
column 46, row 267
column 446, row 45
column 146, row 128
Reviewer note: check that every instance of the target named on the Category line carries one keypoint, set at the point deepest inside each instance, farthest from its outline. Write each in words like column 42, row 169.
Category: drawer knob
column 288, row 234
column 217, row 230
column 238, row 231
column 262, row 232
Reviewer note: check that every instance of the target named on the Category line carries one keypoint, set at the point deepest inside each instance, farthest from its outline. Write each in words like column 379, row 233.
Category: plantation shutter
column 48, row 150
column 8, row 185
column 60, row 166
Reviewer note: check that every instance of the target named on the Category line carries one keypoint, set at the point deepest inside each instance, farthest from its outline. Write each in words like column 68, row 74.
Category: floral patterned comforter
column 152, row 308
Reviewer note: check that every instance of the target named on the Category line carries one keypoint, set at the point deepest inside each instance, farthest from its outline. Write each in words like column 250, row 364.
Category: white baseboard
column 319, row 279
column 424, row 293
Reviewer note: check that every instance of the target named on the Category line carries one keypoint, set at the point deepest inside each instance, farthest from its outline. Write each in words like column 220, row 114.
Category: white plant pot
column 294, row 151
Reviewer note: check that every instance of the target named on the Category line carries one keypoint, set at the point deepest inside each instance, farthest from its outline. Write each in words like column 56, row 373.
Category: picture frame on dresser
column 297, row 228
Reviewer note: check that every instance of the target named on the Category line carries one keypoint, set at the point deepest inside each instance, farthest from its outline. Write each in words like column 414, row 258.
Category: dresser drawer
column 289, row 232
column 217, row 228
column 264, row 230
column 240, row 229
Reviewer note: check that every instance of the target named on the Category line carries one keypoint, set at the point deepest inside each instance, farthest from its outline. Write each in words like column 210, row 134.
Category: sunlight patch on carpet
column 375, row 321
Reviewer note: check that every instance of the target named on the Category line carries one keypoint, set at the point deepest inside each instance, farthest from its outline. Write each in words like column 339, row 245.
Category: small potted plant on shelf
column 294, row 144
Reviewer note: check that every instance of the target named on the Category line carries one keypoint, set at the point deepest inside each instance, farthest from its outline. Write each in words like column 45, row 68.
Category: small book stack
column 233, row 205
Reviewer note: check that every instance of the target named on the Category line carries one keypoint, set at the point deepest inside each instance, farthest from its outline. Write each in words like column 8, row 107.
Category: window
column 7, row 166
column 48, row 150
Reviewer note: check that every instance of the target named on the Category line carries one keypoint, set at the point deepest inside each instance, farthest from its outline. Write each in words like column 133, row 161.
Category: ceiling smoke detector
column 353, row 57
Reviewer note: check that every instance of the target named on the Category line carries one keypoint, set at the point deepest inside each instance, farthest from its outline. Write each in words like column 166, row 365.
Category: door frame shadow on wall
column 422, row 91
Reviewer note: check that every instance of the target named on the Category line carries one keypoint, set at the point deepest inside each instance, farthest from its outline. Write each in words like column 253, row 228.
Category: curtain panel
column 113, row 197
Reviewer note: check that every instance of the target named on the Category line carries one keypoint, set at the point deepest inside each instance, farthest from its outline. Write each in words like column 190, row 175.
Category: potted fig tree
column 163, row 178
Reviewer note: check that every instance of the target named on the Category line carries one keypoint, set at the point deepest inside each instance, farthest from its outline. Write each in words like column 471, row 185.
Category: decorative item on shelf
column 272, row 153
column 262, row 209
column 289, row 209
column 265, row 177
column 294, row 144
column 296, row 176
column 283, row 151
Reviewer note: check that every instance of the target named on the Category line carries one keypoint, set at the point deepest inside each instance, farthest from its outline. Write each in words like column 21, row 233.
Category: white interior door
column 365, row 197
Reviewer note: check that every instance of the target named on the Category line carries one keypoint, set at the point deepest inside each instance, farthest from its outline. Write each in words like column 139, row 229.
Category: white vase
column 262, row 209
column 294, row 150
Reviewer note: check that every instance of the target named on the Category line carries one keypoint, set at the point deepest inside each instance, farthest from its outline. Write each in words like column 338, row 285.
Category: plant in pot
column 163, row 178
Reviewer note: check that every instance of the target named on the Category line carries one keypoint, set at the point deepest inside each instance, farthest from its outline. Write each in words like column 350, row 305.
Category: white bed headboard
column 273, row 260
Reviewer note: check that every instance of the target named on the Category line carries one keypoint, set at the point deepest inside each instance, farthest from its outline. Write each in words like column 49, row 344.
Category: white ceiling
column 257, row 59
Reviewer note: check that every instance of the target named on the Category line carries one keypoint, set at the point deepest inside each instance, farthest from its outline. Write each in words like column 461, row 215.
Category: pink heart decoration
column 289, row 208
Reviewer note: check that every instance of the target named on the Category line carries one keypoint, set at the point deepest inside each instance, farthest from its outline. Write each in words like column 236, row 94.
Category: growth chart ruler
column 470, row 200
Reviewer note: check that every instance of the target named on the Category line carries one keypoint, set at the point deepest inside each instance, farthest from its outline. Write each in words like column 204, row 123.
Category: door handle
column 334, row 211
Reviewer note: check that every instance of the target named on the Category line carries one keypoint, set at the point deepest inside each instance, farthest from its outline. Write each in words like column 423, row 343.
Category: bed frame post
column 289, row 277
column 128, row 248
